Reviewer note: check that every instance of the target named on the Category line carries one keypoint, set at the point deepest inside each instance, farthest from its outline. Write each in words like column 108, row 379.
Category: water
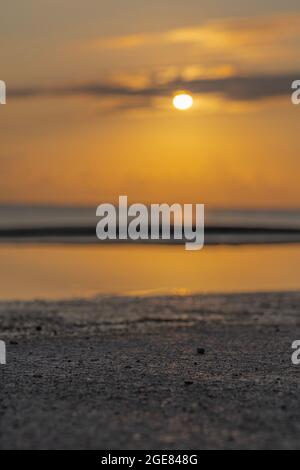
column 41, row 216
column 63, row 270
column 77, row 225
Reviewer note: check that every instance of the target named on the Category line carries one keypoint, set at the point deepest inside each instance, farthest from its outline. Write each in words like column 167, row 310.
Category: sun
column 183, row 101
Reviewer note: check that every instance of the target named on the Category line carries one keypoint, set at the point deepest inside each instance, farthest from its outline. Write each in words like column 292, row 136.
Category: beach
column 164, row 372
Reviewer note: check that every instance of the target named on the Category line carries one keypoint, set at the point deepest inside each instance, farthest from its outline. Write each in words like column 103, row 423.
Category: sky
column 89, row 112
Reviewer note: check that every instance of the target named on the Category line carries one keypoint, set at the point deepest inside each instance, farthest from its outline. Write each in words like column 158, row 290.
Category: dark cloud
column 246, row 88
column 236, row 88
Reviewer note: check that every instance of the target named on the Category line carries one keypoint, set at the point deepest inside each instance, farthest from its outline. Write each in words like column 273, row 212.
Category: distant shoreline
column 214, row 235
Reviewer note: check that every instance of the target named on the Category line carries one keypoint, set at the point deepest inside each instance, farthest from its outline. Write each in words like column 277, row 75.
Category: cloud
column 265, row 43
column 232, row 88
column 217, row 34
column 236, row 60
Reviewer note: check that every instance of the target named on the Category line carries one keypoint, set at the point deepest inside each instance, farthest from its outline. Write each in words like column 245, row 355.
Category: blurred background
column 90, row 116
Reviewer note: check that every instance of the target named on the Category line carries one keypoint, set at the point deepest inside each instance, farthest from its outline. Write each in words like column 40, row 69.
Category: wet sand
column 190, row 372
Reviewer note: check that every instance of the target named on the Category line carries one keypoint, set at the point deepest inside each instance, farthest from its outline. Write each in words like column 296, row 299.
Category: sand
column 192, row 372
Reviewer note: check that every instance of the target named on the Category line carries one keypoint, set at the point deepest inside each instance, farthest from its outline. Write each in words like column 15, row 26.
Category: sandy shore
column 192, row 372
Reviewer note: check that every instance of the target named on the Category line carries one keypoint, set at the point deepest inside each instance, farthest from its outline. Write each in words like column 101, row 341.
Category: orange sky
column 68, row 146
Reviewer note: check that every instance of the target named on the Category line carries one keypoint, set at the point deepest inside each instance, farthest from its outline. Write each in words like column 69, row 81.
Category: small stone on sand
column 201, row 351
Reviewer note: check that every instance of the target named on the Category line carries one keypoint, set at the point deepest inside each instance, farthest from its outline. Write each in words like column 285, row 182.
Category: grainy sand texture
column 190, row 372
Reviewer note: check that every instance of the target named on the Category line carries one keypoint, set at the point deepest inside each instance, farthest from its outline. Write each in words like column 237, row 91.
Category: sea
column 51, row 252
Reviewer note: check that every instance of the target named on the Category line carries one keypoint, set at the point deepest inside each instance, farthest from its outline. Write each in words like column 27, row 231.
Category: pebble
column 201, row 351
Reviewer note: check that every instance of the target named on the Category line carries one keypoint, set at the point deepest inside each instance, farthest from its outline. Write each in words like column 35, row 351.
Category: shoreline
column 214, row 235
